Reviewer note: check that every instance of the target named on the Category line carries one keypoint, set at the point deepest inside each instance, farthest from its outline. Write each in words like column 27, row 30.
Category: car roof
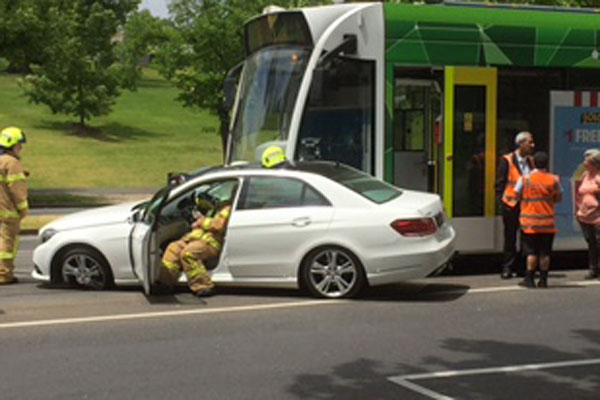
column 323, row 168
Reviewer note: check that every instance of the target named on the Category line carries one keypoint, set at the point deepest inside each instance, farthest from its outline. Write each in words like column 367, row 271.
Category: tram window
column 339, row 125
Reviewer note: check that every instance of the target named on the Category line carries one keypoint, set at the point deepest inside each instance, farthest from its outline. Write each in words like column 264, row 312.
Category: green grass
column 147, row 135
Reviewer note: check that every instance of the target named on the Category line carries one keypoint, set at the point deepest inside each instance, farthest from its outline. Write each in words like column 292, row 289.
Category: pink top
column 588, row 209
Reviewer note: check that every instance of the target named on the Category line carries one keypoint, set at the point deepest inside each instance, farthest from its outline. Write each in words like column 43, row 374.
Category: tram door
column 470, row 108
column 417, row 116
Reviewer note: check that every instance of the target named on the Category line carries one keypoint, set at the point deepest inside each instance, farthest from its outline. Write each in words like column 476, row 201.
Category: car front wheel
column 332, row 272
column 86, row 268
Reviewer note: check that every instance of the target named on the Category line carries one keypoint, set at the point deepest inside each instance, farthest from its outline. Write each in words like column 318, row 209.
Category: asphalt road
column 468, row 337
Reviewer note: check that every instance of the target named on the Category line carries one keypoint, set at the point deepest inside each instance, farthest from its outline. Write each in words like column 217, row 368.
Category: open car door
column 140, row 240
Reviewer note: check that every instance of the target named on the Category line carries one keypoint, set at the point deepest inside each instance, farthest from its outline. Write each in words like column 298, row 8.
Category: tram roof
column 480, row 35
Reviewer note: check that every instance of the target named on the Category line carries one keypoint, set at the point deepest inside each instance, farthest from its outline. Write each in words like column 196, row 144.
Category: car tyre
column 332, row 272
column 86, row 268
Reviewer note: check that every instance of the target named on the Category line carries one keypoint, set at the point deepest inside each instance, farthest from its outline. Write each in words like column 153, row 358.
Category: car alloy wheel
column 333, row 272
column 85, row 267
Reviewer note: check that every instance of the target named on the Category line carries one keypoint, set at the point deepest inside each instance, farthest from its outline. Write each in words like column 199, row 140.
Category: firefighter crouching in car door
column 192, row 250
column 13, row 200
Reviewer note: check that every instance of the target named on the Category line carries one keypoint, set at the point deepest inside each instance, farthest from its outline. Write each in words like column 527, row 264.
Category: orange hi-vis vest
column 509, row 197
column 537, row 202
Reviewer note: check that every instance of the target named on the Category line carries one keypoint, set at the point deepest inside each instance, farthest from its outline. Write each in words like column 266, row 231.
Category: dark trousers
column 591, row 233
column 511, row 257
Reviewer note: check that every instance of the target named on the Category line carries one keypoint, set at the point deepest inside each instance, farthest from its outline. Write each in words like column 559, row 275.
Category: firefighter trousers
column 188, row 256
column 9, row 243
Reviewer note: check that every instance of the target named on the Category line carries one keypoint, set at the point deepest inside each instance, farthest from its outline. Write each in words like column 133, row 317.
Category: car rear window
column 367, row 186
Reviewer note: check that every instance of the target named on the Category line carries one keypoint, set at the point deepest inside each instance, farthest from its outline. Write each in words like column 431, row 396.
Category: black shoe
column 528, row 282
column 506, row 273
column 205, row 293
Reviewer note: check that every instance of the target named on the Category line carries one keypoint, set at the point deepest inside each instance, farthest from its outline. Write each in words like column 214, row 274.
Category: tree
column 83, row 78
column 205, row 42
column 22, row 32
column 143, row 35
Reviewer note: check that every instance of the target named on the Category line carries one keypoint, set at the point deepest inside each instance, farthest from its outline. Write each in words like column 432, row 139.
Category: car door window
column 274, row 192
column 183, row 205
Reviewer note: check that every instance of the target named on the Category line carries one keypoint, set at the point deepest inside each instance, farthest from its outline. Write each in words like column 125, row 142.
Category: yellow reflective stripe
column 207, row 223
column 195, row 271
column 9, row 214
column 208, row 238
column 171, row 265
column 23, row 205
column 11, row 178
column 196, row 234
column 224, row 213
column 7, row 255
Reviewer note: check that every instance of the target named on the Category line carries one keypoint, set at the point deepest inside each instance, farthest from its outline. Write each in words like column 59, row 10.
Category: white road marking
column 404, row 380
column 258, row 307
column 167, row 314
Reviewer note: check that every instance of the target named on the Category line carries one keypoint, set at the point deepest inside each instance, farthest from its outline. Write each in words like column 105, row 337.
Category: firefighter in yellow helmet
column 204, row 242
column 13, row 199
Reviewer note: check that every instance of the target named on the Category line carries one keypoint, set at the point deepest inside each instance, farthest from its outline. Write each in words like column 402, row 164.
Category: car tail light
column 414, row 227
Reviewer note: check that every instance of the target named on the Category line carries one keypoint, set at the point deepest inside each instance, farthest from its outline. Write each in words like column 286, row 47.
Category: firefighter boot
column 543, row 282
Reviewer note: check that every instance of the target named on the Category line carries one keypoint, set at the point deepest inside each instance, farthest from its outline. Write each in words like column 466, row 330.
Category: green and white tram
column 426, row 97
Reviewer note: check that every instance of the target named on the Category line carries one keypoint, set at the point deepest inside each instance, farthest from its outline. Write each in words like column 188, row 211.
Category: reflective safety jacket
column 13, row 187
column 540, row 190
column 509, row 197
column 211, row 229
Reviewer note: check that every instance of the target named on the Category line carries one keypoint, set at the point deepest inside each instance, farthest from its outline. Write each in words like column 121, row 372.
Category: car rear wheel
column 85, row 268
column 332, row 272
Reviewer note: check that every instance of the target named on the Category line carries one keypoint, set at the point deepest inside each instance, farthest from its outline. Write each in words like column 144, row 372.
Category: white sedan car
column 321, row 226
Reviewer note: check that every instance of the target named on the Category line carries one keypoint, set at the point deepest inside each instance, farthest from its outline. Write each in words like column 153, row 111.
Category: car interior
column 179, row 213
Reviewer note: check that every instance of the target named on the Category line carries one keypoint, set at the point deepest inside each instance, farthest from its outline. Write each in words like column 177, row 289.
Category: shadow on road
column 404, row 292
column 366, row 378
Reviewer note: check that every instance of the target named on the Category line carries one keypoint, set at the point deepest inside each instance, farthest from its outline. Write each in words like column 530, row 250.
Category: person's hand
column 197, row 214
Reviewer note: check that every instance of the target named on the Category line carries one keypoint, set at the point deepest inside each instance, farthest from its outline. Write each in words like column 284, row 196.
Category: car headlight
column 47, row 234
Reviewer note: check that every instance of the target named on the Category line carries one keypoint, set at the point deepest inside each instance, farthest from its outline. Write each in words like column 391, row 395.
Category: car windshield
column 154, row 205
column 268, row 92
column 367, row 186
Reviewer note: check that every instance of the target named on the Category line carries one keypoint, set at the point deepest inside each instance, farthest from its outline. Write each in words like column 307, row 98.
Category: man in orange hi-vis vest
column 538, row 192
column 510, row 168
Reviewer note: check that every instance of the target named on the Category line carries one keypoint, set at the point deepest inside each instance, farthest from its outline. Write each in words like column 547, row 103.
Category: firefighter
column 510, row 168
column 191, row 251
column 538, row 192
column 273, row 156
column 13, row 200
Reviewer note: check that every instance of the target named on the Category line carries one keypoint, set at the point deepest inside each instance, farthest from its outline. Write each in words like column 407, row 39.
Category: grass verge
column 147, row 135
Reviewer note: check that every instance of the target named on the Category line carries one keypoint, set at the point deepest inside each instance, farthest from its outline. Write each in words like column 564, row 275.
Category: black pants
column 591, row 233
column 511, row 257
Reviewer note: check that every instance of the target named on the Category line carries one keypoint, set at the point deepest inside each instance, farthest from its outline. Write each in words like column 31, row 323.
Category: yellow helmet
column 11, row 136
column 272, row 156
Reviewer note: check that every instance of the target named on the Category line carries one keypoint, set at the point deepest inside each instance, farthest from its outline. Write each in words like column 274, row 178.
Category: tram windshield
column 269, row 87
column 278, row 47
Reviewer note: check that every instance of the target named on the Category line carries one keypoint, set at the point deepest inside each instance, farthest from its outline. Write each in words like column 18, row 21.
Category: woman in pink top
column 588, row 209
